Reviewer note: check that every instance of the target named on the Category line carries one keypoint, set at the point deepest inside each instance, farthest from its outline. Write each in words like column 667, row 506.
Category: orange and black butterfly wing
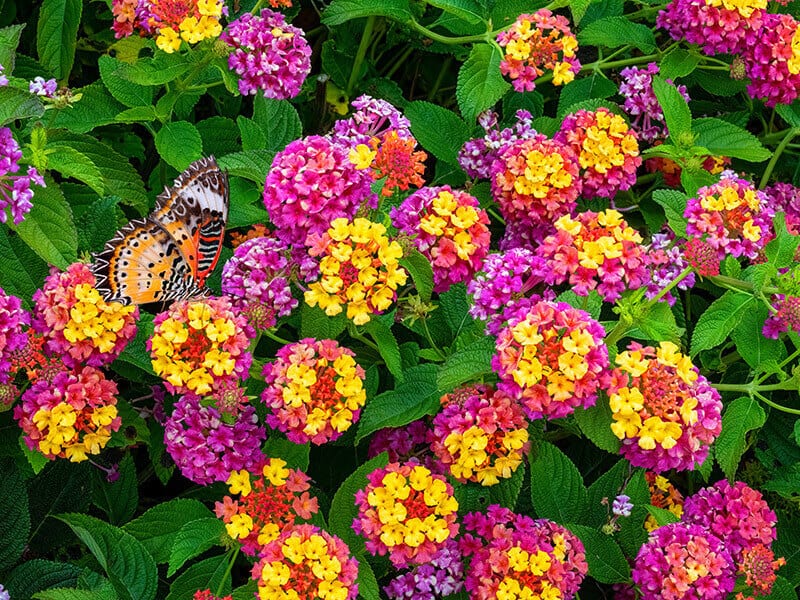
column 194, row 212
column 142, row 264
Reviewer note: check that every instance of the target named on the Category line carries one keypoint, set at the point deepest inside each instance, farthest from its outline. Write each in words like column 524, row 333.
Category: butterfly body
column 168, row 255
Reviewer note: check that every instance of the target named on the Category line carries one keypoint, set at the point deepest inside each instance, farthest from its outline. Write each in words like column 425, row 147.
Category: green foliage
column 741, row 416
column 557, row 489
column 480, row 84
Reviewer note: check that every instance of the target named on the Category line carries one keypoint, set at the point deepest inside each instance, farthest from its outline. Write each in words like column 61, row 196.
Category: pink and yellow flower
column 394, row 157
column 78, row 325
column 315, row 390
column 662, row 495
column 271, row 498
column 359, row 269
column 72, row 416
column 450, row 228
column 551, row 357
column 481, row 435
column 535, row 43
column 407, row 512
column 515, row 556
column 607, row 150
column 772, row 60
column 169, row 21
column 666, row 413
column 306, row 562
column 199, row 344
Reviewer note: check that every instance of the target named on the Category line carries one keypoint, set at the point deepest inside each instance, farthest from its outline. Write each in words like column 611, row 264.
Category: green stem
column 444, row 39
column 619, row 330
column 399, row 62
column 273, row 336
column 363, row 339
column 227, row 573
column 681, row 276
column 445, row 68
column 776, row 406
column 366, row 38
column 738, row 285
column 430, row 340
column 790, row 135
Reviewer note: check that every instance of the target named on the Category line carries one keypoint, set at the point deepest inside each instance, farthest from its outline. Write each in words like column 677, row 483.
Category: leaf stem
column 366, row 39
column 443, row 39
column 227, row 573
column 790, row 135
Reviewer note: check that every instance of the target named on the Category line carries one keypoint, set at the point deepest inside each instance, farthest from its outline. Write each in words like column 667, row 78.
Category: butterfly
column 168, row 255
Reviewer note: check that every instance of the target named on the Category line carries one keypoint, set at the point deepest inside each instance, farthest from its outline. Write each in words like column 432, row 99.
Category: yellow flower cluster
column 607, row 143
column 359, row 268
column 61, row 435
column 746, row 8
column 527, row 564
column 475, row 448
column 451, row 220
column 193, row 29
column 728, row 200
column 543, row 173
column 793, row 63
column 92, row 318
column 594, row 249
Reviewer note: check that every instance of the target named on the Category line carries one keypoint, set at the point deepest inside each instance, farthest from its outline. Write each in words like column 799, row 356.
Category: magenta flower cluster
column 477, row 155
column 15, row 190
column 269, row 55
column 410, row 443
column 442, row 576
column 771, row 61
column 665, row 262
column 372, row 118
column 14, row 321
column 641, row 102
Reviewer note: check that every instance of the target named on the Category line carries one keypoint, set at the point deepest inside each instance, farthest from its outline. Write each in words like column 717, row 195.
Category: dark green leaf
column 661, row 515
column 726, row 139
column 279, row 121
column 24, row 271
column 751, row 345
column 467, row 365
column 136, row 353
column 657, row 325
column 160, row 69
column 252, row 135
column 557, row 489
column 575, row 94
column 387, row 346
column 480, row 83
column 253, row 164
column 95, row 108
column 674, row 204
column 129, row 94
column 103, row 592
column 440, row 131
column 719, row 320
column 295, row 455
column 740, row 417
column 781, row 251
column 595, row 423
column 72, row 163
column 34, row 575
column 341, row 11
column 614, row 32
column 219, row 134
column 97, row 224
column 315, row 323
column 420, row 270
column 118, row 499
column 676, row 111
column 179, row 144
column 194, row 538
column 606, row 562
column 16, row 522
column 467, row 10
column 678, row 63
column 9, row 40
column 17, row 104
column 207, row 574
column 49, row 229
column 57, row 34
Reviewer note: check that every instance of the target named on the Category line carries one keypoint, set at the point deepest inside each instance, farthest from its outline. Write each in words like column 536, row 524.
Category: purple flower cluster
column 407, row 444
column 441, row 577
column 268, row 54
column 476, row 156
column 372, row 118
column 12, row 336
column 205, row 447
column 665, row 262
column 3, row 82
column 15, row 190
column 259, row 274
column 785, row 197
column 312, row 182
column 43, row 87
column 641, row 102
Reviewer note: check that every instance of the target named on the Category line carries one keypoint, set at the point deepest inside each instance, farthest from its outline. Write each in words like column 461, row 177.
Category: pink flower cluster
column 372, row 118
column 440, row 577
column 477, row 155
column 408, row 444
column 772, row 60
column 15, row 190
column 665, row 262
column 14, row 321
column 785, row 197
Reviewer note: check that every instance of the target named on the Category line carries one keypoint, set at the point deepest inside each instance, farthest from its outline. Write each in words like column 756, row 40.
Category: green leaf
column 607, row 486
column 676, row 111
column 781, row 251
column 219, row 136
column 469, row 364
column 661, row 515
column 128, row 93
column 118, row 499
column 480, row 84
column 440, row 131
column 595, row 424
column 557, row 489
column 23, row 271
column 252, row 165
column 788, row 112
column 417, row 396
column 295, row 455
column 467, row 10
column 49, row 229
column 678, row 63
column 128, row 565
column 97, row 224
column 9, row 40
column 136, row 353
column 16, row 522
column 72, row 163
column 751, row 345
column 341, row 11
column 726, row 139
column 719, row 320
column 343, row 507
column 160, row 69
column 387, row 346
column 315, row 323
column 367, row 584
column 278, row 120
column 157, row 528
column 674, row 204
column 194, row 538
column 578, row 9
column 95, row 108
column 36, row 574
column 606, row 562
column 179, row 144
column 576, row 94
column 18, row 104
column 104, row 592
column 657, row 324
column 420, row 270
column 207, row 574
column 613, row 32
column 741, row 416
column 137, row 114
column 57, row 33
column 253, row 137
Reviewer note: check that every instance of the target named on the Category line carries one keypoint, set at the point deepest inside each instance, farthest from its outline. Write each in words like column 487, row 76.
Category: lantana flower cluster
column 268, row 54
column 168, row 21
column 731, row 216
column 78, row 325
column 14, row 321
column 442, row 576
column 772, row 60
column 515, row 556
column 359, row 269
column 71, row 416
column 641, row 102
column 314, row 390
column 394, row 158
column 449, row 228
column 663, row 495
column 271, row 498
column 666, row 262
column 477, row 155
column 607, row 151
column 536, row 43
column 198, row 345
column 594, row 251
column 666, row 413
column 785, row 305
column 306, row 562
column 481, row 434
column 551, row 358
column 410, row 443
column 406, row 512
column 15, row 189
column 372, row 118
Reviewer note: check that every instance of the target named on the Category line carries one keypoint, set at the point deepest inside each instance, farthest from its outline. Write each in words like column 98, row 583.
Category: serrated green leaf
column 137, row 114
column 387, row 346
column 23, row 271
column 595, row 423
column 56, row 35
column 676, row 110
column 160, row 69
column 220, row 136
column 157, row 528
column 18, row 104
column 295, row 455
column 578, row 9
column 136, row 353
column 467, row 10
column 49, row 229
column 607, row 486
column 343, row 506
column 128, row 565
column 781, row 250
column 118, row 499
column 726, row 139
column 72, row 163
column 124, row 91
column 194, row 538
column 421, row 273
column 278, row 120
column 367, row 583
column 790, row 113
column 657, row 325
column 207, row 574
column 469, row 364
column 751, row 345
column 9, row 40
column 678, row 63
column 661, row 515
column 693, row 179
column 336, row 63
column 417, row 396
column 719, row 320
column 95, row 108
column 179, row 144
column 606, row 562
column 36, row 574
column 613, row 32
column 557, row 489
column 315, row 323
column 16, row 522
column 341, row 11
column 740, row 417
column 576, row 94
column 674, row 204
column 97, row 224
column 252, row 135
column 105, row 592
column 440, row 131
column 252, row 165
column 248, row 591
column 480, row 84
